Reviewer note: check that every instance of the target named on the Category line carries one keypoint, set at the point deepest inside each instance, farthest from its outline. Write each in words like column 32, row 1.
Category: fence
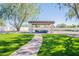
column 65, row 30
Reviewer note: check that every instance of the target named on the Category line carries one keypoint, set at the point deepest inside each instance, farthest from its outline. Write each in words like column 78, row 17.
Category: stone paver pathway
column 31, row 48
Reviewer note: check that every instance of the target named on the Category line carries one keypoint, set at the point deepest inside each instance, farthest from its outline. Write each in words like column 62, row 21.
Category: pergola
column 41, row 26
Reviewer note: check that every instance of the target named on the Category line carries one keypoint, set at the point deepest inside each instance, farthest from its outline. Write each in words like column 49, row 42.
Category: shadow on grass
column 59, row 45
column 7, row 47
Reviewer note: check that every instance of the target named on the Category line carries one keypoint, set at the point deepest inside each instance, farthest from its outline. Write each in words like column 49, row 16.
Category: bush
column 59, row 45
column 11, row 42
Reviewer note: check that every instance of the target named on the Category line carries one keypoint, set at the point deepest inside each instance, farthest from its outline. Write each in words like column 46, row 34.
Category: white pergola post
column 30, row 28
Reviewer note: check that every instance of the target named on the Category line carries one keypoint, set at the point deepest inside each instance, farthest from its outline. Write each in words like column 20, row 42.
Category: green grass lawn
column 11, row 42
column 59, row 45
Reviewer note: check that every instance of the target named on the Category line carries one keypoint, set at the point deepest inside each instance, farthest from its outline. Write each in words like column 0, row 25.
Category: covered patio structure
column 41, row 26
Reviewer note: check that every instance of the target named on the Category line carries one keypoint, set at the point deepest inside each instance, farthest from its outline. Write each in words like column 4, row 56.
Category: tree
column 77, row 25
column 17, row 14
column 61, row 25
column 1, row 22
column 73, row 26
column 73, row 10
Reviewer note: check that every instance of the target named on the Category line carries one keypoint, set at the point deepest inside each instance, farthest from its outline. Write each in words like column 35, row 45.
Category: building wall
column 22, row 29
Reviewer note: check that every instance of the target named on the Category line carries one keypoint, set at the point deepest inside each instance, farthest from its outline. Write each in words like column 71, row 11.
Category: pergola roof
column 42, row 22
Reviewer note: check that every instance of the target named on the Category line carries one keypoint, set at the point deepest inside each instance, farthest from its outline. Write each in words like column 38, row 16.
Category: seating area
column 41, row 31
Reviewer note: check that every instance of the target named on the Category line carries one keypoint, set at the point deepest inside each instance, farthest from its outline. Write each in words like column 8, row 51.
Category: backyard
column 59, row 45
column 52, row 44
column 11, row 42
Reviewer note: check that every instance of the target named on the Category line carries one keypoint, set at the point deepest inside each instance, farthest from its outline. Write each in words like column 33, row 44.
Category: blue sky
column 51, row 12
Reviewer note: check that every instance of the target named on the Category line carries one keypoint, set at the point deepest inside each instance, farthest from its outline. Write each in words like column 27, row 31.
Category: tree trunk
column 76, row 11
column 18, row 29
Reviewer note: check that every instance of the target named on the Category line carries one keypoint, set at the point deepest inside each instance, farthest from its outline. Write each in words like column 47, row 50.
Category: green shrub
column 12, row 41
column 59, row 45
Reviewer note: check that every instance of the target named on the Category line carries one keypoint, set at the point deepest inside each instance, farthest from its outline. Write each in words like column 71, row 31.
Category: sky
column 51, row 12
